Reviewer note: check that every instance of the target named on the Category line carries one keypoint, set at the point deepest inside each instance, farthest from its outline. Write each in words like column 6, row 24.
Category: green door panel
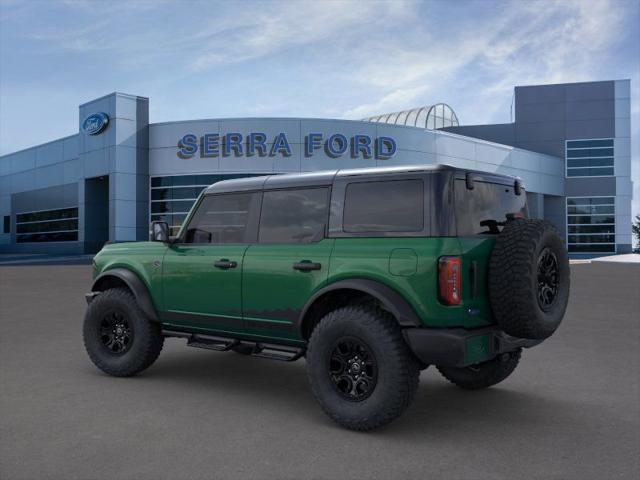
column 273, row 292
column 196, row 293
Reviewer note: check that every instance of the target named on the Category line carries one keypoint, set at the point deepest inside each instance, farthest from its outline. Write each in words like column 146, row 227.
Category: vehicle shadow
column 437, row 408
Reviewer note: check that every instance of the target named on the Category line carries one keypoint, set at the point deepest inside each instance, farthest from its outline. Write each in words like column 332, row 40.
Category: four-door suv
column 371, row 275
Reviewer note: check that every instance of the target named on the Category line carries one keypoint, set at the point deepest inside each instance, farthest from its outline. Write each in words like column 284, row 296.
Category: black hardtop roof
column 327, row 177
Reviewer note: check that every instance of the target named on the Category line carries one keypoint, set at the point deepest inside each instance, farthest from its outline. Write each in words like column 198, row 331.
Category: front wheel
column 118, row 337
column 360, row 369
column 483, row 375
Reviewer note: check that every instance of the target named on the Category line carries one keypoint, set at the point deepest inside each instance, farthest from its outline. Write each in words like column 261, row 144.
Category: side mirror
column 159, row 232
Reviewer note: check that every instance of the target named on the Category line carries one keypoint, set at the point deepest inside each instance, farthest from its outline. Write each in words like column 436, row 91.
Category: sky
column 323, row 59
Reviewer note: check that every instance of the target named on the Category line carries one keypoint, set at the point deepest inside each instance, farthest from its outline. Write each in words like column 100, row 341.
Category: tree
column 635, row 228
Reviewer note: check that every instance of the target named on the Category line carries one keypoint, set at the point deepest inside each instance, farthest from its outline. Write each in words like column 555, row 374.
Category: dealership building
column 569, row 143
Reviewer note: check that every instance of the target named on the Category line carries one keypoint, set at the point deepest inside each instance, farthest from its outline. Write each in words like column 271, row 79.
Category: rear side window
column 386, row 206
column 487, row 203
column 221, row 219
column 294, row 216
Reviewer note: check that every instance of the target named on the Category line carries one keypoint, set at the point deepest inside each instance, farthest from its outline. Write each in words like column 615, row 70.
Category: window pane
column 486, row 202
column 48, row 237
column 591, row 229
column 590, row 152
column 220, row 219
column 590, row 201
column 592, row 238
column 589, row 209
column 7, row 224
column 184, row 180
column 161, row 194
column 589, row 172
column 294, row 216
column 401, row 208
column 604, row 248
column 186, row 192
column 162, row 181
column 589, row 143
column 590, row 162
column 590, row 219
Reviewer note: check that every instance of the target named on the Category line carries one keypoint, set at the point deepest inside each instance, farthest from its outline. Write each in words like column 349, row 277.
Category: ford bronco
column 371, row 275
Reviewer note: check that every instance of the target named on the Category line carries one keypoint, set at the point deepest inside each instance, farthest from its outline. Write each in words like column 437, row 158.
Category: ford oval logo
column 95, row 123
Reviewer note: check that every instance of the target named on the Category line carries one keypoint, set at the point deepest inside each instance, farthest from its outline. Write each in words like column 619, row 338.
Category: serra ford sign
column 258, row 144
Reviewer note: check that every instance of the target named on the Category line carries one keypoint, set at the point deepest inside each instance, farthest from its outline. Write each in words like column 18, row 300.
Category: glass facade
column 589, row 158
column 591, row 225
column 59, row 225
column 173, row 196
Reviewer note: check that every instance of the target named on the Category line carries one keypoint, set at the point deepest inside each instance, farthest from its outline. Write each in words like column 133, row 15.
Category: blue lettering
column 257, row 142
column 361, row 144
column 280, row 145
column 385, row 147
column 312, row 142
column 232, row 142
column 188, row 146
column 210, row 145
column 333, row 150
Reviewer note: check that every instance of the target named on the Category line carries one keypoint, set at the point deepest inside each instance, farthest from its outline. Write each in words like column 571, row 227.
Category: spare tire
column 529, row 279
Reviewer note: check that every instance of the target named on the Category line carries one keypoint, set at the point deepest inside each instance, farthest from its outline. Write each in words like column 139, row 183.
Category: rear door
column 202, row 273
column 289, row 262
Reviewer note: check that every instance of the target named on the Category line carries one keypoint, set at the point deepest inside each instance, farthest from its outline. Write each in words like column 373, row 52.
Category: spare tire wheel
column 529, row 279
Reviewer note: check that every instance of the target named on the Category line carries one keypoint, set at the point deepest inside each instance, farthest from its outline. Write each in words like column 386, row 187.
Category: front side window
column 173, row 196
column 221, row 219
column 384, row 206
column 294, row 216
column 591, row 225
column 589, row 158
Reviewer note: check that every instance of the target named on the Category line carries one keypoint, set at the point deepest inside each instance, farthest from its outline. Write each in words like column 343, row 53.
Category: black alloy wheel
column 116, row 332
column 547, row 279
column 353, row 369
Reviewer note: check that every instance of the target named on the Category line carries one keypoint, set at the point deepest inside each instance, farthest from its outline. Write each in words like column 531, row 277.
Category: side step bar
column 222, row 344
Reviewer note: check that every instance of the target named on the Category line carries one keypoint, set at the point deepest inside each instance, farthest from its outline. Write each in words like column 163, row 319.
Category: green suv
column 371, row 275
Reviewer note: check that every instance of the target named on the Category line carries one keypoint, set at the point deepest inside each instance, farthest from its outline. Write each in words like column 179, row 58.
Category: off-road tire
column 514, row 278
column 483, row 375
column 397, row 370
column 147, row 336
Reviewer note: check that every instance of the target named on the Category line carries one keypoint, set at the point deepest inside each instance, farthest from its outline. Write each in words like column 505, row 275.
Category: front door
column 289, row 262
column 202, row 271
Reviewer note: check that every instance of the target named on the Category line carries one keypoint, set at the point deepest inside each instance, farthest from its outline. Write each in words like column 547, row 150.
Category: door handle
column 225, row 264
column 306, row 266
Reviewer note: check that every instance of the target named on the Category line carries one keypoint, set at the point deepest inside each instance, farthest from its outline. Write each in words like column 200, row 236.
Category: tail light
column 449, row 280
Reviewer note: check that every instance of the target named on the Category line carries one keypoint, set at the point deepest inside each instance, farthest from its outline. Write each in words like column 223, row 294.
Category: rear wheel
column 118, row 337
column 360, row 369
column 483, row 375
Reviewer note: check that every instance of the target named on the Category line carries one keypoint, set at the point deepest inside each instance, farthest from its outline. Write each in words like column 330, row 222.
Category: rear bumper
column 457, row 347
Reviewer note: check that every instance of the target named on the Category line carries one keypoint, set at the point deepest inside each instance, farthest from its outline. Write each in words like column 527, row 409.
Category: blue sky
column 313, row 59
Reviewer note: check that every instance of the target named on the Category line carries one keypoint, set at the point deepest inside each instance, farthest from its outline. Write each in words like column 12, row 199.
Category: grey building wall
column 416, row 146
column 546, row 116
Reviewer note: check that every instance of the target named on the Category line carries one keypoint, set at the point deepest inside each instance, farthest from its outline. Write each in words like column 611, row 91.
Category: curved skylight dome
column 430, row 117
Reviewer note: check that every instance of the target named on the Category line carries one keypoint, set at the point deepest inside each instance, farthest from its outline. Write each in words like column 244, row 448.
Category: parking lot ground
column 571, row 409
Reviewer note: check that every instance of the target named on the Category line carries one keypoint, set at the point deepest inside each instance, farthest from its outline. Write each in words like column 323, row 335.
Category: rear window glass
column 487, row 203
column 387, row 206
column 294, row 216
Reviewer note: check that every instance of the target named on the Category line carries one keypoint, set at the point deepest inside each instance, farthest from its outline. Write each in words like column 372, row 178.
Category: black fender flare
column 403, row 312
column 135, row 284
